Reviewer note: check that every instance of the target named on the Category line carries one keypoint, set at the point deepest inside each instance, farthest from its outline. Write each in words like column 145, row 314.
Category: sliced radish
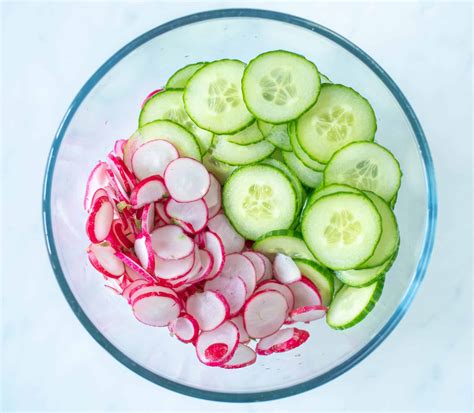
column 148, row 218
column 118, row 189
column 232, row 241
column 239, row 265
column 191, row 216
column 174, row 269
column 99, row 221
column 264, row 313
column 209, row 308
column 207, row 261
column 213, row 244
column 101, row 192
column 132, row 287
column 187, row 180
column 171, row 243
column 258, row 263
column 156, row 309
column 97, row 179
column 239, row 322
column 144, row 252
column 149, row 190
column 121, row 172
column 268, row 275
column 308, row 313
column 285, row 269
column 152, row 158
column 136, row 293
column 160, row 211
column 133, row 275
column 103, row 259
column 216, row 347
column 118, row 147
column 119, row 234
column 305, row 293
column 284, row 340
column 213, row 197
column 134, row 265
column 150, row 95
column 282, row 289
column 244, row 356
column 185, row 328
column 232, row 288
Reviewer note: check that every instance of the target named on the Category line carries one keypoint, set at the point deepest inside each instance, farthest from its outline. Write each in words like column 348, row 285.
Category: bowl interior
column 110, row 111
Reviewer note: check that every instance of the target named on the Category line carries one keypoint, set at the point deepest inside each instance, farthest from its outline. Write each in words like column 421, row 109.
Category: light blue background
column 49, row 362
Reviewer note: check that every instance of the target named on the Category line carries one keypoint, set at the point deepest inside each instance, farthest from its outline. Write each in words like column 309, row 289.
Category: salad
column 251, row 198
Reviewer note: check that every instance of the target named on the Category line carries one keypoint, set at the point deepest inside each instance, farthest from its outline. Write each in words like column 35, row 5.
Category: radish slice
column 171, row 243
column 206, row 261
column 99, row 221
column 150, row 95
column 191, row 216
column 103, row 259
column 209, row 308
column 100, row 192
column 160, row 211
column 126, row 179
column 144, row 252
column 118, row 188
column 119, row 234
column 173, row 269
column 213, row 197
column 98, row 178
column 264, row 313
column 118, row 147
column 285, row 269
column 213, row 244
column 149, row 190
column 308, row 313
column 132, row 287
column 257, row 262
column 305, row 293
column 187, row 180
column 136, row 293
column 284, row 340
column 232, row 288
column 216, row 347
column 232, row 241
column 268, row 268
column 239, row 322
column 152, row 158
column 148, row 218
column 244, row 356
column 239, row 265
column 185, row 328
column 133, row 275
column 282, row 289
column 156, row 309
column 134, row 265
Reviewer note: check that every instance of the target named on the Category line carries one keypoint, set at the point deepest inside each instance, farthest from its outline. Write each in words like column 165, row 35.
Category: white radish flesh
column 173, row 269
column 213, row 244
column 133, row 286
column 239, row 322
column 152, row 158
column 99, row 221
column 148, row 218
column 213, row 197
column 118, row 188
column 187, row 180
column 239, row 265
column 171, row 243
column 126, row 179
column 103, row 259
column 191, row 216
column 149, row 190
column 97, row 179
column 144, row 252
column 305, row 293
column 206, row 260
column 244, row 356
column 285, row 269
column 141, row 290
column 160, row 211
column 216, row 347
column 232, row 241
column 282, row 289
column 185, row 328
column 284, row 340
column 118, row 147
column 134, row 265
column 209, row 308
column 308, row 313
column 268, row 267
column 232, row 288
column 155, row 309
column 257, row 262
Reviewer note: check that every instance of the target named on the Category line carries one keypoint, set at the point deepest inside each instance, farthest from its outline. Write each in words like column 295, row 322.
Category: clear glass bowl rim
column 431, row 206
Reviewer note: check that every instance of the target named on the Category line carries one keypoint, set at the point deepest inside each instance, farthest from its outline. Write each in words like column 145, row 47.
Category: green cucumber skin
column 282, row 233
column 173, row 76
column 325, row 272
column 294, row 142
column 365, row 312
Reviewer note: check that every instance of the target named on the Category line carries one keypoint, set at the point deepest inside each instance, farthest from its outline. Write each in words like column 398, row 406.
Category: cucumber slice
column 322, row 278
column 233, row 154
column 324, row 78
column 169, row 105
column 328, row 190
column 393, row 201
column 339, row 117
column 179, row 79
column 182, row 139
column 342, row 230
column 367, row 166
column 213, row 97
column 299, row 152
column 219, row 169
column 286, row 242
column 390, row 238
column 351, row 305
column 337, row 285
column 279, row 86
column 246, row 136
column 276, row 134
column 363, row 278
column 258, row 199
column 307, row 176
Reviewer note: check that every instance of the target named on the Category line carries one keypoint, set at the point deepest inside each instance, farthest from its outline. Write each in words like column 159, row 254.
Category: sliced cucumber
column 233, row 154
column 337, row 285
column 246, row 136
column 328, row 190
column 276, row 134
column 322, row 277
column 393, row 201
column 279, row 86
column 299, row 152
column 213, row 97
column 324, row 78
column 182, row 139
column 286, row 242
column 340, row 116
column 307, row 176
column 351, row 305
column 363, row 278
column 367, row 166
column 219, row 169
column 390, row 238
column 342, row 230
column 179, row 79
column 169, row 105
column 258, row 199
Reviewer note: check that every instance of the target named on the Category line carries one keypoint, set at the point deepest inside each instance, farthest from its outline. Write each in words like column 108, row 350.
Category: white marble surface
column 49, row 362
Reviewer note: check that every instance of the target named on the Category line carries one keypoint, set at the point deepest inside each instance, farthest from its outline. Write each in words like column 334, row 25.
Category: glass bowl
column 107, row 108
